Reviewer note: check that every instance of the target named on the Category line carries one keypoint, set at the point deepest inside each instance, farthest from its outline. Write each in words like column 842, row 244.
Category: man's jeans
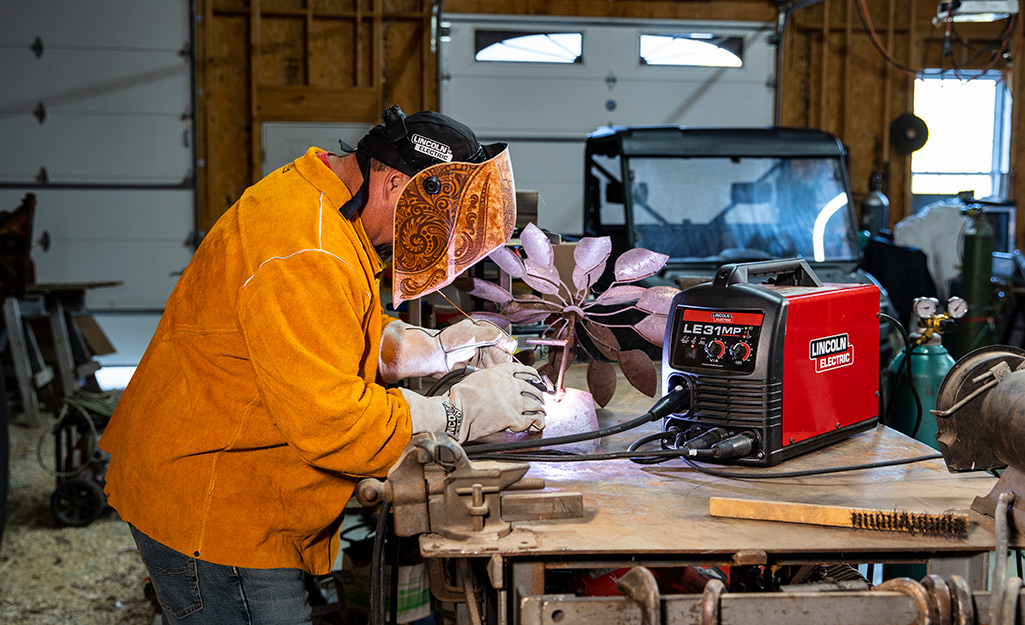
column 194, row 592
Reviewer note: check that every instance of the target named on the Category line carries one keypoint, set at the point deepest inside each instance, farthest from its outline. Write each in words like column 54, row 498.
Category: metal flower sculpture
column 569, row 310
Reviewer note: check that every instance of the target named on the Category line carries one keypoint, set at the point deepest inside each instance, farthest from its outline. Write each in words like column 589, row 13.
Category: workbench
column 657, row 515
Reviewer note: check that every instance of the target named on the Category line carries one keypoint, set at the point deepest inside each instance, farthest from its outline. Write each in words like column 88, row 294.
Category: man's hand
column 485, row 402
column 410, row 351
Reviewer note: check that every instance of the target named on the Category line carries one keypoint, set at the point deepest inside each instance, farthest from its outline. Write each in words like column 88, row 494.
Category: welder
column 262, row 397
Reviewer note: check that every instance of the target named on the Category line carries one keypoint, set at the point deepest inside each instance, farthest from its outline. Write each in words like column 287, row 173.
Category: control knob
column 716, row 349
column 741, row 351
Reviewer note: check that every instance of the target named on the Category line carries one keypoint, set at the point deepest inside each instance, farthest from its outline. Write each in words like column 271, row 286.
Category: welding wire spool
column 950, row 524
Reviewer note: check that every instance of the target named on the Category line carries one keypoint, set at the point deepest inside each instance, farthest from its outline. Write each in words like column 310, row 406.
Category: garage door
column 543, row 84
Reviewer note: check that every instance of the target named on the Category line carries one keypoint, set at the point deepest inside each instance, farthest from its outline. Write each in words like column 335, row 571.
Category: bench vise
column 435, row 488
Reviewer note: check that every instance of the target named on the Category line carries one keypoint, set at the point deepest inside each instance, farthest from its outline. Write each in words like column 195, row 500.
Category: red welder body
column 793, row 364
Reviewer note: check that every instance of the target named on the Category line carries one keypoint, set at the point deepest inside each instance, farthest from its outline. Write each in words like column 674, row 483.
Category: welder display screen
column 715, row 339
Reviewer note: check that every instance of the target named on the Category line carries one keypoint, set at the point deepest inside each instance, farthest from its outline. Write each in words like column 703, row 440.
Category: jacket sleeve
column 304, row 320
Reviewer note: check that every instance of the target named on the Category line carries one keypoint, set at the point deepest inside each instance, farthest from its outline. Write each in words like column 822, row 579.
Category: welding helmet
column 458, row 206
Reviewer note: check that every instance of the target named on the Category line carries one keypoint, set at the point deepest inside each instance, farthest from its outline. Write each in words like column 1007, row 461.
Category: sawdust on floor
column 52, row 575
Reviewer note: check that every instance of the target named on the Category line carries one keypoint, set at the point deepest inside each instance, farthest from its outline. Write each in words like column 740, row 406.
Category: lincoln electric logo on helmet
column 431, row 148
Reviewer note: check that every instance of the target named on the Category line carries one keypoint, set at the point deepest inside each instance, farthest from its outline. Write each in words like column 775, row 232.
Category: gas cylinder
column 975, row 330
column 875, row 207
column 930, row 363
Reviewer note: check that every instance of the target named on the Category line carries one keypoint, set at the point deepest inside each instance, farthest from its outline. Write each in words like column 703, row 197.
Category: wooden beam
column 255, row 137
column 323, row 105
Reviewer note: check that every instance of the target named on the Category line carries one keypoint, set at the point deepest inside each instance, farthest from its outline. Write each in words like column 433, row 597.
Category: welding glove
column 411, row 351
column 485, row 402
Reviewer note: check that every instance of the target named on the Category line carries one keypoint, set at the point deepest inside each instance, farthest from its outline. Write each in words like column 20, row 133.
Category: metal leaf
column 490, row 291
column 530, row 302
column 508, row 261
column 529, row 309
column 536, row 244
column 619, row 294
column 529, row 316
column 639, row 371
column 657, row 299
column 603, row 339
column 543, row 278
column 638, row 263
column 601, row 381
column 591, row 255
column 501, row 321
column 652, row 328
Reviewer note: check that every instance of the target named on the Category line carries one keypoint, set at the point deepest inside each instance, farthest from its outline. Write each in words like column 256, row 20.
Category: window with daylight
column 505, row 46
column 692, row 50
column 968, row 117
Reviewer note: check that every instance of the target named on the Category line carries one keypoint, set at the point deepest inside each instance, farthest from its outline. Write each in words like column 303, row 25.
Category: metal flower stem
column 564, row 344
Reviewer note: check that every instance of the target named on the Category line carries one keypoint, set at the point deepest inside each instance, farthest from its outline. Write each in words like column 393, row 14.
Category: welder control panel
column 715, row 339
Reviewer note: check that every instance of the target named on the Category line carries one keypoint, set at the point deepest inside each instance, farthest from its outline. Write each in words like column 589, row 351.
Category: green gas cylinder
column 930, row 362
column 975, row 330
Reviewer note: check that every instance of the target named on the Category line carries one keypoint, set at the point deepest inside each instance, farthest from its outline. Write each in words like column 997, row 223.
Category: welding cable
column 673, row 402
column 714, row 443
column 644, row 440
column 377, row 567
column 906, row 363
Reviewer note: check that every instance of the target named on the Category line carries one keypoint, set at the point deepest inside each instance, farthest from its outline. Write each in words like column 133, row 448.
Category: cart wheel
column 77, row 502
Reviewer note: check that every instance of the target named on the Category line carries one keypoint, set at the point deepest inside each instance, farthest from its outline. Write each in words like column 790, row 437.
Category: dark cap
column 412, row 143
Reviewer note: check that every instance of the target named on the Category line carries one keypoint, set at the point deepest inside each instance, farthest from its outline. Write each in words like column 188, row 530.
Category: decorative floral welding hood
column 450, row 216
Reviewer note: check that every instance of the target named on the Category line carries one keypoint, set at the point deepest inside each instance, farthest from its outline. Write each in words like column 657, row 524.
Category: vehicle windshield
column 695, row 209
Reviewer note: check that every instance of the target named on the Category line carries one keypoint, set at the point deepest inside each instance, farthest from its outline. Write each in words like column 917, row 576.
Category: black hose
column 909, row 350
column 672, row 402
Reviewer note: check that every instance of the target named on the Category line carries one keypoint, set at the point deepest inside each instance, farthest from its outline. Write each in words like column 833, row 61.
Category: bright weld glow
column 818, row 233
column 568, row 411
column 554, row 404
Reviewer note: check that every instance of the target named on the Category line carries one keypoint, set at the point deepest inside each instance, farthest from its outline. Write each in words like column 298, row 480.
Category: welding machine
column 775, row 369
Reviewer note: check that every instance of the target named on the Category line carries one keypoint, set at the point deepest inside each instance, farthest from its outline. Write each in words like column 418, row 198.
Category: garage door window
column 692, row 50
column 528, row 47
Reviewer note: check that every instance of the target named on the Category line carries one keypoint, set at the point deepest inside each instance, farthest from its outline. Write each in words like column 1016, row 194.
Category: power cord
column 807, row 472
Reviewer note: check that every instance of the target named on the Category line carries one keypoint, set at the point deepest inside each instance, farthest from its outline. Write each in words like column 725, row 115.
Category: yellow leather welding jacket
column 448, row 217
column 255, row 409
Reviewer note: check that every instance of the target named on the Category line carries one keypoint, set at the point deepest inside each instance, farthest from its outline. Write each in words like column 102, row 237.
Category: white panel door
column 98, row 95
column 545, row 111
